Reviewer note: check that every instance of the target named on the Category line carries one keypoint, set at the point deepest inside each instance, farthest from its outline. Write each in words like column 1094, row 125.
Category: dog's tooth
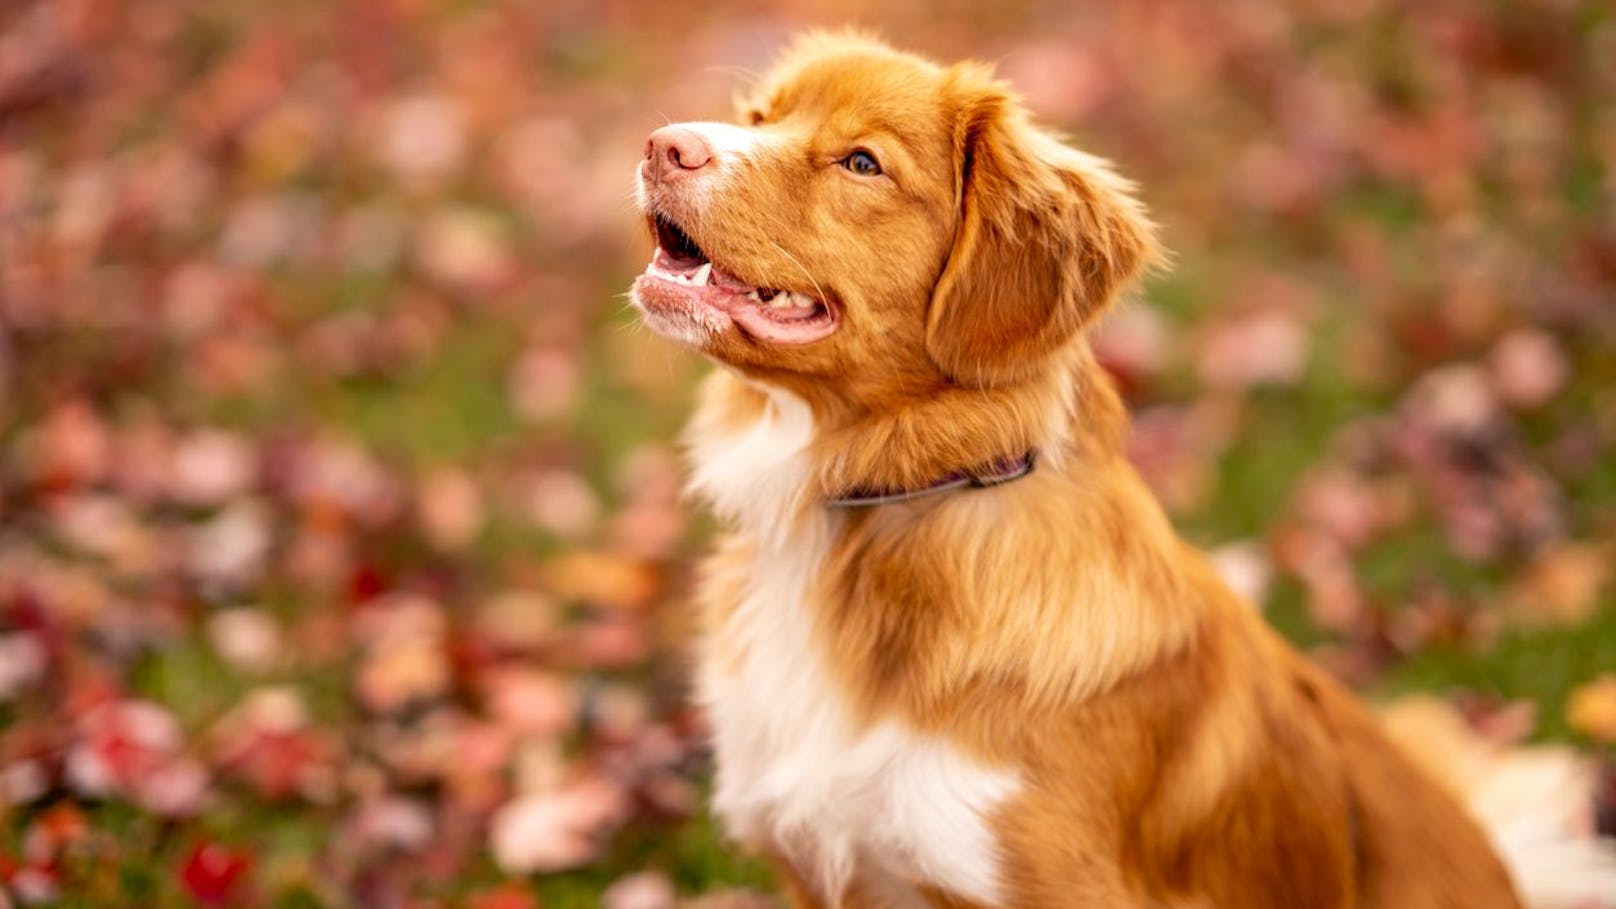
column 704, row 275
column 753, row 296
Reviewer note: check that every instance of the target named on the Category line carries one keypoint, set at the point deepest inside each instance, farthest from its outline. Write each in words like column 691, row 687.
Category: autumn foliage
column 342, row 552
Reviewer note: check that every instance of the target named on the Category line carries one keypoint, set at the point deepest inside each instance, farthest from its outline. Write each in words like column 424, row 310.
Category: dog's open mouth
column 682, row 283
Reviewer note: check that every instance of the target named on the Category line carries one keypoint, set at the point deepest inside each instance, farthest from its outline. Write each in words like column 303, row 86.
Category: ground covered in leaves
column 342, row 560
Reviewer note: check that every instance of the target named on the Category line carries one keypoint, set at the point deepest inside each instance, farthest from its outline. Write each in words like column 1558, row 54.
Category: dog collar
column 994, row 473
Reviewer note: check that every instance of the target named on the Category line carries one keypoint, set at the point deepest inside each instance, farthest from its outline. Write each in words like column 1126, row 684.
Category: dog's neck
column 985, row 476
column 1070, row 410
column 767, row 465
column 1066, row 416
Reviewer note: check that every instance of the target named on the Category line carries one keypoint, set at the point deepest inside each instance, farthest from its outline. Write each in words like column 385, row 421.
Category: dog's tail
column 1536, row 803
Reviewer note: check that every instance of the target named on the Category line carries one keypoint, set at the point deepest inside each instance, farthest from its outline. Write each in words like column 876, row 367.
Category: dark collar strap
column 994, row 473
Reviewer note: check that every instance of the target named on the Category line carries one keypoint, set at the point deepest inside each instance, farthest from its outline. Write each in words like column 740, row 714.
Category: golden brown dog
column 936, row 681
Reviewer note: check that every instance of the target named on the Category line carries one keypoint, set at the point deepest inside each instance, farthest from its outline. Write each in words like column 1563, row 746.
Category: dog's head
column 879, row 223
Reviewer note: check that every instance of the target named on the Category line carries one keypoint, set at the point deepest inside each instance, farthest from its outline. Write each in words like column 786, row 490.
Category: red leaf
column 214, row 874
column 509, row 896
column 367, row 583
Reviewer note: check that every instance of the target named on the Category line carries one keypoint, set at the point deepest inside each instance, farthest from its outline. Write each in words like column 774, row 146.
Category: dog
column 952, row 651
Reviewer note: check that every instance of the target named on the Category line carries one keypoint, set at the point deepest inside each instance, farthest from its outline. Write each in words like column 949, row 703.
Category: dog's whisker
column 734, row 70
column 794, row 261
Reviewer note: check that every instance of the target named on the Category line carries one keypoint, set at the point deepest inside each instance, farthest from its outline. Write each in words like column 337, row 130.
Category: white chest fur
column 795, row 772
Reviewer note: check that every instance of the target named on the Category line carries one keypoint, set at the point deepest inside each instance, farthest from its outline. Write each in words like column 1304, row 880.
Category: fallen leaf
column 465, row 250
column 247, row 638
column 559, row 501
column 1267, row 346
column 506, row 896
column 601, row 578
column 392, row 822
column 553, row 831
column 644, row 890
column 545, row 384
column 1591, row 709
column 1562, row 585
column 231, row 548
column 530, row 701
column 214, row 874
column 450, row 508
column 1456, row 400
column 22, row 663
column 1528, row 368
column 211, row 466
column 517, row 619
column 423, row 140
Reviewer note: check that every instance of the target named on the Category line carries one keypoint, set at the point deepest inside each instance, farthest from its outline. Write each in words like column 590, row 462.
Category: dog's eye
column 862, row 163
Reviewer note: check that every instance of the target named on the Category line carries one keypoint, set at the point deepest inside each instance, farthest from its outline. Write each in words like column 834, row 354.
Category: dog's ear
column 1046, row 237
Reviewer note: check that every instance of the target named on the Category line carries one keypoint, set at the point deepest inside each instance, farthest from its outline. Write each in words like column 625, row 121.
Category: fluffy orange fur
column 1173, row 751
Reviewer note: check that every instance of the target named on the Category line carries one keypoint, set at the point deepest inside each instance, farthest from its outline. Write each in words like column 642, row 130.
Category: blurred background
column 342, row 558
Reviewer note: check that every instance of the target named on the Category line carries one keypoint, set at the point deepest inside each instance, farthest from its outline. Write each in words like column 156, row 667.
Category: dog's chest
column 798, row 776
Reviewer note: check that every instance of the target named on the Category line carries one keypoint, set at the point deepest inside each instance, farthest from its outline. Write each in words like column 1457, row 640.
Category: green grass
column 1540, row 665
